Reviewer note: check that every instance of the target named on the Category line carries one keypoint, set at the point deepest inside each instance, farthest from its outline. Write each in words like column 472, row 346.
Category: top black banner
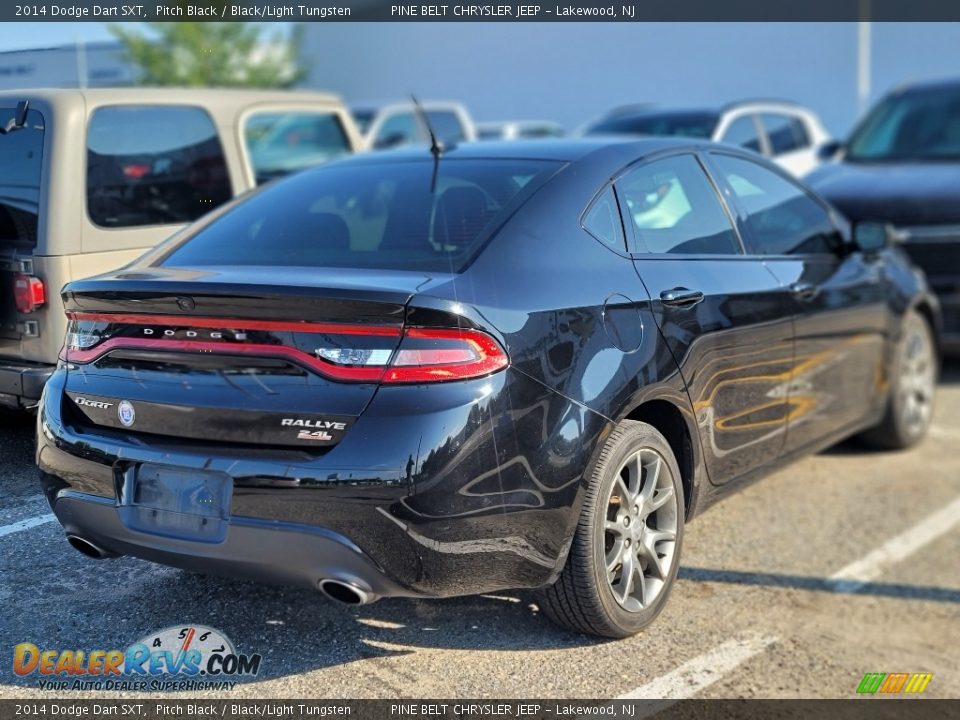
column 531, row 11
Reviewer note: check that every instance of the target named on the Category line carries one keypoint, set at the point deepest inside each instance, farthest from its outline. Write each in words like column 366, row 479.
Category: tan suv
column 89, row 179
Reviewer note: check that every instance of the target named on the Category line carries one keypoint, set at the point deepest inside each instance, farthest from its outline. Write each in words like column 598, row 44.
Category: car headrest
column 461, row 215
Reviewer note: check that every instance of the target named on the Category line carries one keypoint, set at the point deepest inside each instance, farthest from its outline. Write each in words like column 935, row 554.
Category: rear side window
column 786, row 133
column 21, row 163
column 676, row 210
column 382, row 215
column 782, row 218
column 279, row 143
column 153, row 165
column 743, row 132
column 602, row 220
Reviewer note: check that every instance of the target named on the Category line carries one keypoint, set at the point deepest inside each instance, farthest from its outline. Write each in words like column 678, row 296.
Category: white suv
column 400, row 124
column 789, row 134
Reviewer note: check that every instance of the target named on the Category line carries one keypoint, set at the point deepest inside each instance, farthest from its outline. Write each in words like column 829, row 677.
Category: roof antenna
column 436, row 147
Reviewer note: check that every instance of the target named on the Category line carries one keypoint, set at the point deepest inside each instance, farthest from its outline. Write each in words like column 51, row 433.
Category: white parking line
column 26, row 524
column 870, row 566
column 701, row 672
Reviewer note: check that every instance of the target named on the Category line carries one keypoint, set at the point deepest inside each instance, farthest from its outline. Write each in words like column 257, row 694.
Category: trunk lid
column 277, row 357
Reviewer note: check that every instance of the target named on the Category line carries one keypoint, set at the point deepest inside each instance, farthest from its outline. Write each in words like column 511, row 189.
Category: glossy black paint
column 472, row 486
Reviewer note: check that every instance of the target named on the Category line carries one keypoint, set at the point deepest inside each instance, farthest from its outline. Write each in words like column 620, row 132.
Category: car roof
column 561, row 149
column 928, row 86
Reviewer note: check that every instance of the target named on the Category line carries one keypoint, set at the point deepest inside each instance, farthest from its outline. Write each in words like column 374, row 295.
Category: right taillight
column 430, row 355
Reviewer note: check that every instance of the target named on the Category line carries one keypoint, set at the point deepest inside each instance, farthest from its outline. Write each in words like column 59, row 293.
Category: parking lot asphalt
column 844, row 563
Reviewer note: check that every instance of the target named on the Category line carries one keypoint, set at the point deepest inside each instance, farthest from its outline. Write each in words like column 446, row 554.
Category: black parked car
column 386, row 377
column 901, row 166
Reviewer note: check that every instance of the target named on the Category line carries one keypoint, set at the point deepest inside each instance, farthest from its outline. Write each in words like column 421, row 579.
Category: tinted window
column 681, row 124
column 21, row 162
column 153, row 165
column 786, row 133
column 782, row 218
column 602, row 221
column 743, row 132
column 446, row 126
column 369, row 215
column 282, row 142
column 675, row 209
column 399, row 129
column 915, row 125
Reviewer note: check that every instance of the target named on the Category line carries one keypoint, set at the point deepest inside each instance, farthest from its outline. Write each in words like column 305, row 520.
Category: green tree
column 215, row 54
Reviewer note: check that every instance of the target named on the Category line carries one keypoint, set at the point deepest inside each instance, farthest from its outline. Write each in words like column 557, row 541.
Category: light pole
column 863, row 57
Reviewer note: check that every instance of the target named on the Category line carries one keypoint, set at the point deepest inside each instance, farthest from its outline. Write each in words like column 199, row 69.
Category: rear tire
column 626, row 549
column 912, row 388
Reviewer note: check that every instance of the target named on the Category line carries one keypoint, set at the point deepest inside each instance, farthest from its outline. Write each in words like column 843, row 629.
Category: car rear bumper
column 256, row 549
column 429, row 494
column 21, row 384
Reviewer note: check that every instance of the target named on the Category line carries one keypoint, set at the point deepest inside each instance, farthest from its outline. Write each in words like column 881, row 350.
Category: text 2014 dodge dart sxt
column 506, row 366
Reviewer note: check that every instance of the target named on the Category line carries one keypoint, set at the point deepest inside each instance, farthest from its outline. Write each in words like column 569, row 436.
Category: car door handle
column 681, row 297
column 804, row 291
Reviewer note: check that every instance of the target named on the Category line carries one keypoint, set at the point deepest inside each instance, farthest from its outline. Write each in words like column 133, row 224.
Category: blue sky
column 571, row 72
column 21, row 36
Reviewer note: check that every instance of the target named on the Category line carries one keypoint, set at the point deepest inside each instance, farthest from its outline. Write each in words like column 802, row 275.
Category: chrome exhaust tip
column 346, row 592
column 90, row 549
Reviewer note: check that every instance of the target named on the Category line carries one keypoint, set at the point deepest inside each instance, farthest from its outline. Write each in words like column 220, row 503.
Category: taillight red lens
column 29, row 292
column 439, row 354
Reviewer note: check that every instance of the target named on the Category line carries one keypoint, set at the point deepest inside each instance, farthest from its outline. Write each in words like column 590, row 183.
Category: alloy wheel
column 640, row 530
column 917, row 381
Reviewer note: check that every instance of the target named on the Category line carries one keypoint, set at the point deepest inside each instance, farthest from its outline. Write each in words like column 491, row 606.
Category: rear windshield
column 370, row 215
column 21, row 160
column 153, row 165
column 685, row 124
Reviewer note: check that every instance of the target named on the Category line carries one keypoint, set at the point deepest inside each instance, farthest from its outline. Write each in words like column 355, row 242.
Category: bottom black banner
column 853, row 709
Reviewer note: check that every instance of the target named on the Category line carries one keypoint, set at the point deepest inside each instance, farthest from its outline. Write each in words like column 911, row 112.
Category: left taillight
column 29, row 292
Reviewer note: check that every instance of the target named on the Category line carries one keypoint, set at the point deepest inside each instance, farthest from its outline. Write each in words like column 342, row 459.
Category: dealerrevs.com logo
column 189, row 657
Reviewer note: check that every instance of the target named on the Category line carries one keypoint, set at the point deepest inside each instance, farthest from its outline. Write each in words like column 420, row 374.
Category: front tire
column 626, row 549
column 912, row 388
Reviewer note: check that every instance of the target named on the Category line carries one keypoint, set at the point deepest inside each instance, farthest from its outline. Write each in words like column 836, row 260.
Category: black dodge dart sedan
column 519, row 365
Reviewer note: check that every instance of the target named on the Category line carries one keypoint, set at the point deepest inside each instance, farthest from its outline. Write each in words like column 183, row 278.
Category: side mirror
column 20, row 119
column 871, row 237
column 829, row 149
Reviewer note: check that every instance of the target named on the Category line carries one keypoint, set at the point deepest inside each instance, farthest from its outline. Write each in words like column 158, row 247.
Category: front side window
column 743, row 132
column 675, row 209
column 785, row 133
column 282, row 142
column 382, row 215
column 153, row 165
column 782, row 218
column 21, row 164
